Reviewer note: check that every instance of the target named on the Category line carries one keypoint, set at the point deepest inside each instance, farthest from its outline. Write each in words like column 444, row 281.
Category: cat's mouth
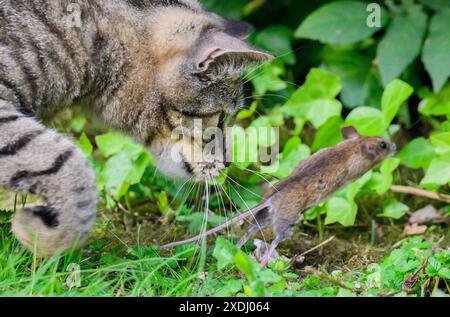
column 176, row 160
column 207, row 170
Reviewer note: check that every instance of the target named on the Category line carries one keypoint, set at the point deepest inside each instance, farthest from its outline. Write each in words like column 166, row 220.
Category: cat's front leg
column 39, row 161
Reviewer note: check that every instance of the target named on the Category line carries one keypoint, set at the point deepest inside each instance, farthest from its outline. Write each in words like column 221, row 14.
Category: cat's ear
column 215, row 44
column 235, row 28
column 350, row 133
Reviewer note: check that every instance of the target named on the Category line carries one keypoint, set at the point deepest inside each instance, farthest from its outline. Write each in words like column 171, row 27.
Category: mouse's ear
column 350, row 133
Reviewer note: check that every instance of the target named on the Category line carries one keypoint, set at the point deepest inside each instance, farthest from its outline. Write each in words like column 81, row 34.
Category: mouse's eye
column 383, row 145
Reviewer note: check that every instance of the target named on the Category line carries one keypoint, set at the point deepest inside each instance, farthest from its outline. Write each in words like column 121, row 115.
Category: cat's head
column 198, row 60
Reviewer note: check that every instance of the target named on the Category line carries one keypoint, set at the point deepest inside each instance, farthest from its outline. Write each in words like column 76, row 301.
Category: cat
column 143, row 67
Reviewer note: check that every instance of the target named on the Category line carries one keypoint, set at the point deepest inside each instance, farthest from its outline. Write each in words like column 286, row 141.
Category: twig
column 312, row 271
column 313, row 249
column 420, row 192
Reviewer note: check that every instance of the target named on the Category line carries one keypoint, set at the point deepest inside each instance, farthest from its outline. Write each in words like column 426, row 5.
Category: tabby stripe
column 196, row 115
column 10, row 86
column 9, row 119
column 84, row 204
column 88, row 219
column 54, row 29
column 52, row 54
column 144, row 4
column 47, row 214
column 166, row 117
column 17, row 44
column 55, row 168
column 13, row 148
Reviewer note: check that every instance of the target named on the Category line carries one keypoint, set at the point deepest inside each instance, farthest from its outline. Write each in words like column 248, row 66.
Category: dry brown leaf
column 425, row 215
column 414, row 229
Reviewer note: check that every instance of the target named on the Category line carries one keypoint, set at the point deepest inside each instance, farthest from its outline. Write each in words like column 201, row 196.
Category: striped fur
column 142, row 66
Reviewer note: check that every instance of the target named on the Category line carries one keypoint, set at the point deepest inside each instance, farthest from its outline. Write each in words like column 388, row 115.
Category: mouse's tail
column 197, row 238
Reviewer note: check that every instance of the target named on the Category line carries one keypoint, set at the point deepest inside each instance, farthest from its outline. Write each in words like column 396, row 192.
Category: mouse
column 314, row 180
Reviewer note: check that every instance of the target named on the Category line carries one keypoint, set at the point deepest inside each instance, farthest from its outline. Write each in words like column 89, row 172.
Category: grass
column 118, row 262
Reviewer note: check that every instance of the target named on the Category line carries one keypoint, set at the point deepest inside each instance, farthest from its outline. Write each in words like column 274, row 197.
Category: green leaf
column 402, row 42
column 264, row 132
column 343, row 292
column 417, row 154
column 85, row 145
column 361, row 83
column 110, row 143
column 241, row 155
column 287, row 163
column 230, row 9
column 438, row 173
column 246, row 265
column 436, row 104
column 437, row 5
column 436, row 55
column 368, row 121
column 394, row 209
column 224, row 253
column 341, row 22
column 319, row 111
column 78, row 123
column 319, row 84
column 268, row 77
column 315, row 101
column 382, row 182
column 342, row 211
column 441, row 143
column 329, row 134
column 248, row 113
column 277, row 39
column 395, row 94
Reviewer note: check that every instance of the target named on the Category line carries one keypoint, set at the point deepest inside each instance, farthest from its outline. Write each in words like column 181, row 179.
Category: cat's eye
column 383, row 145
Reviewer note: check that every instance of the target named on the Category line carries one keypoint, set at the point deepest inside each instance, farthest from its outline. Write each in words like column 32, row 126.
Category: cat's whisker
column 253, row 216
column 273, row 60
column 260, row 175
column 243, row 187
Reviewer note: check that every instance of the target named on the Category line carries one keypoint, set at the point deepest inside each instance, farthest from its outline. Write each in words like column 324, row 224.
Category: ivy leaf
column 342, row 211
column 329, row 134
column 417, row 154
column 224, row 252
column 436, row 104
column 381, row 182
column 287, row 162
column 436, row 55
column 110, row 143
column 441, row 143
column 394, row 209
column 277, row 39
column 368, row 121
column 341, row 22
column 268, row 77
column 315, row 101
column 85, row 145
column 230, row 9
column 361, row 83
column 402, row 42
column 319, row 111
column 395, row 94
column 438, row 173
